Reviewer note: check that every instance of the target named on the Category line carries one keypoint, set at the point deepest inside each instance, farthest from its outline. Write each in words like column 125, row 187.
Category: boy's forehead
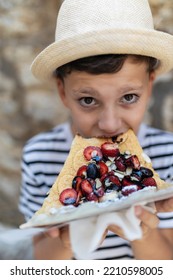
column 131, row 73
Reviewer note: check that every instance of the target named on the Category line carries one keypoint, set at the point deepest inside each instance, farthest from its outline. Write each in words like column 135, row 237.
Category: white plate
column 66, row 214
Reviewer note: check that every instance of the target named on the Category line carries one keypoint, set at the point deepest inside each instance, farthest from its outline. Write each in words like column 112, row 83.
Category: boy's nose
column 110, row 122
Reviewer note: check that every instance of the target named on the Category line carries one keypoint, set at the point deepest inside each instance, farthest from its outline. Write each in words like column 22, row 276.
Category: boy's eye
column 130, row 98
column 86, row 101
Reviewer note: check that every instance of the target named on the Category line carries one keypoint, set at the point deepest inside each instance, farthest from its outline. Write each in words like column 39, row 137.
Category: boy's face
column 107, row 104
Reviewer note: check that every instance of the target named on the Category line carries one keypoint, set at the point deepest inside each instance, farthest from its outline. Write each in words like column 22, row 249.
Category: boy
column 104, row 62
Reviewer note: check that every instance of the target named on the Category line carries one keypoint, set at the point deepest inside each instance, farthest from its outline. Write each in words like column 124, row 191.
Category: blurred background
column 28, row 107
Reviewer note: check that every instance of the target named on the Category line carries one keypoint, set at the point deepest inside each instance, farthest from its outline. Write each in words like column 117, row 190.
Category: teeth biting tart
column 100, row 175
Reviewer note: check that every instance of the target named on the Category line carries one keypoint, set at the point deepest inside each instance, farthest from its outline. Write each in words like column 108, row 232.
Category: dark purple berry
column 92, row 171
column 146, row 172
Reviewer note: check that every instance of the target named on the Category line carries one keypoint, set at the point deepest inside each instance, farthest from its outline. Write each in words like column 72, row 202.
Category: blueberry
column 137, row 174
column 92, row 171
column 146, row 172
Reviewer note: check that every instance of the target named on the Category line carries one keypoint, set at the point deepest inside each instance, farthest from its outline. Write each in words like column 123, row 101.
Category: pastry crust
column 126, row 142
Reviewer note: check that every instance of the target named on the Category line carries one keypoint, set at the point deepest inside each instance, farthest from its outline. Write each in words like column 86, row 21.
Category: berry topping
column 92, row 182
column 86, row 186
column 92, row 197
column 126, row 181
column 99, row 192
column 82, row 171
column 92, row 152
column 92, row 171
column 79, row 197
column 129, row 189
column 133, row 162
column 110, row 149
column 149, row 182
column 137, row 174
column 103, row 169
column 111, row 182
column 107, row 171
column 120, row 163
column 76, row 183
column 115, row 180
column 146, row 172
column 68, row 196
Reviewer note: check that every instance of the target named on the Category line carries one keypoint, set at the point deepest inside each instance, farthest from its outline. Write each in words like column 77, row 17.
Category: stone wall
column 27, row 106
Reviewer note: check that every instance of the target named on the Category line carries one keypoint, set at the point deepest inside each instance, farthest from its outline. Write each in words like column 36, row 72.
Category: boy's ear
column 152, row 78
column 61, row 90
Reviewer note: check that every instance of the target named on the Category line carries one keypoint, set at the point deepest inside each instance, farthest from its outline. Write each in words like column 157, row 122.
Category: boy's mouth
column 106, row 135
column 112, row 135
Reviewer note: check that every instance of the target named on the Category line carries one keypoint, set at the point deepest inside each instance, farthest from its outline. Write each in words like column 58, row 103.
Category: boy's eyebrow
column 84, row 90
column 131, row 88
column 93, row 92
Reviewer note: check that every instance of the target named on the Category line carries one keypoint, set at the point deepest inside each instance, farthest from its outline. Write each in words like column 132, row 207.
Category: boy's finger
column 53, row 232
column 147, row 218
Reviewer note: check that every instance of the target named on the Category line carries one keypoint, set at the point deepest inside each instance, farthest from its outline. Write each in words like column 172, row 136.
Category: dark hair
column 100, row 64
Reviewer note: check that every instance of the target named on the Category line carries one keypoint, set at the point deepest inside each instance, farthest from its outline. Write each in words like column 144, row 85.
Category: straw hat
column 94, row 27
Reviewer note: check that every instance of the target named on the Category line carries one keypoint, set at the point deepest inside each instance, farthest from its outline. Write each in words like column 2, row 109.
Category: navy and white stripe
column 43, row 159
column 44, row 156
column 158, row 145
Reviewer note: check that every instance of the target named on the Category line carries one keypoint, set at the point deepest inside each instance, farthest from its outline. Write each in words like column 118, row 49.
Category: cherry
column 110, row 149
column 68, row 196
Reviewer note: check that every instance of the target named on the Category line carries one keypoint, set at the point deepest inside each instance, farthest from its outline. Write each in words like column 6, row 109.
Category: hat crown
column 77, row 17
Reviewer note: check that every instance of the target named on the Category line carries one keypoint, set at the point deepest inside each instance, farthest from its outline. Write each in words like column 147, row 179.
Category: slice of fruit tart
column 98, row 170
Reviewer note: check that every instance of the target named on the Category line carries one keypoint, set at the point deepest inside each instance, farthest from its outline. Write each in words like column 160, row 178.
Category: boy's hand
column 154, row 241
column 165, row 205
column 53, row 244
column 149, row 221
column 62, row 233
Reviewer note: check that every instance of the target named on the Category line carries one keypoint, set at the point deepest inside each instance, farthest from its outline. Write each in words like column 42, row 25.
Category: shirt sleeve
column 33, row 191
column 14, row 246
column 166, row 220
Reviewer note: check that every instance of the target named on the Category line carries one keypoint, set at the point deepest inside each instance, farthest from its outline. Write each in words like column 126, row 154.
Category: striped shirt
column 44, row 156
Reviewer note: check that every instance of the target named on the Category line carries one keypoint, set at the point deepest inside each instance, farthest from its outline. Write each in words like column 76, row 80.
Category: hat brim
column 144, row 42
